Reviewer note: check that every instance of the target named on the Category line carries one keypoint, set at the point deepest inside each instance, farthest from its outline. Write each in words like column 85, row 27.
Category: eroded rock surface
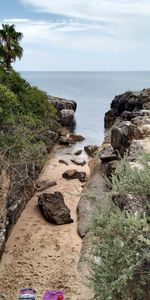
column 74, row 174
column 54, row 208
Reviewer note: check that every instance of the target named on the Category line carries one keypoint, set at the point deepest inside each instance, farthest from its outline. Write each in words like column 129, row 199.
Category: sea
column 93, row 92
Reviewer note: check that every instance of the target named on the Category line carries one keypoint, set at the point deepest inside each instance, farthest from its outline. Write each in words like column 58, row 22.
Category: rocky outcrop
column 65, row 110
column 74, row 174
column 54, row 208
column 126, row 105
column 91, row 150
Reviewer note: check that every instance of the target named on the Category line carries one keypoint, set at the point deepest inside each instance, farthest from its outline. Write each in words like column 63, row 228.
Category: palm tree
column 10, row 48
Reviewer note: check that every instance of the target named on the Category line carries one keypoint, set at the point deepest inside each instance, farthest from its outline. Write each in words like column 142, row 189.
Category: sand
column 41, row 255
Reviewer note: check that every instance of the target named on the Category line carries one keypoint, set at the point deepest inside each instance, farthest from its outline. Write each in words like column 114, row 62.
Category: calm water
column 93, row 92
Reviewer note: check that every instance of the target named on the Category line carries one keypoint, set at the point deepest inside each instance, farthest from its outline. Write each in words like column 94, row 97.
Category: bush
column 121, row 268
column 8, row 106
column 132, row 180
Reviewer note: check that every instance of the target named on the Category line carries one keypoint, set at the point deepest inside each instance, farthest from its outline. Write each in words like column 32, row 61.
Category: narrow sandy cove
column 42, row 255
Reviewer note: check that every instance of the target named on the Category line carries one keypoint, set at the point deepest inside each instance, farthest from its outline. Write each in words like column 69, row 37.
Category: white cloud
column 97, row 10
column 15, row 20
column 97, row 34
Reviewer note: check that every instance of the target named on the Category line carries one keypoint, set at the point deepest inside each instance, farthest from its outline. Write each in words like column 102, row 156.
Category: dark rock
column 79, row 162
column 63, row 140
column 126, row 104
column 129, row 202
column 74, row 174
column 122, row 136
column 78, row 152
column 61, row 103
column 109, row 119
column 45, row 184
column 76, row 137
column 62, row 161
column 66, row 117
column 108, row 168
column 107, row 154
column 54, row 208
column 91, row 150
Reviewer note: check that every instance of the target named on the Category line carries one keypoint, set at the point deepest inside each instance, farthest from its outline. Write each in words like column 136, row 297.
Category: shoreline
column 39, row 254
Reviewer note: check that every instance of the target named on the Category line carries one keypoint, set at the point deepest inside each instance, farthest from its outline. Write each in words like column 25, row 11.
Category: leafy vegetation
column 133, row 180
column 123, row 248
column 121, row 269
column 24, row 113
column 10, row 48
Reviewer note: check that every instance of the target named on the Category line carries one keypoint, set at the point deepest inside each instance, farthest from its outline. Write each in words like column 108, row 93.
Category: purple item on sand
column 53, row 295
column 27, row 293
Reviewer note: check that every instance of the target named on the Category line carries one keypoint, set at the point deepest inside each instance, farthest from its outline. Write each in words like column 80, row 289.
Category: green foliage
column 121, row 268
column 10, row 48
column 8, row 106
column 24, row 113
column 132, row 180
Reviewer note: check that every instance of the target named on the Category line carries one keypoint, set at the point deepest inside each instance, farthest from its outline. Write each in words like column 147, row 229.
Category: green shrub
column 133, row 180
column 8, row 106
column 122, row 259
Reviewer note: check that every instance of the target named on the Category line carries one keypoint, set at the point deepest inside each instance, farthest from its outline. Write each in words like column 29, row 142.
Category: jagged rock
column 70, row 138
column 61, row 103
column 78, row 152
column 54, row 208
column 129, row 202
column 74, row 174
column 63, row 140
column 107, row 154
column 126, row 105
column 45, row 184
column 66, row 117
column 91, row 150
column 121, row 137
column 76, row 137
column 79, row 162
column 62, row 161
column 108, row 168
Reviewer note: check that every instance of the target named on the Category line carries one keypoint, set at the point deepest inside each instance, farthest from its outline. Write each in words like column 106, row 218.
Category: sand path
column 42, row 255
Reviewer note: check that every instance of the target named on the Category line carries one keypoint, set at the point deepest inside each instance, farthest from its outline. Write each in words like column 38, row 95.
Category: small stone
column 45, row 184
column 79, row 162
column 74, row 174
column 62, row 161
column 78, row 152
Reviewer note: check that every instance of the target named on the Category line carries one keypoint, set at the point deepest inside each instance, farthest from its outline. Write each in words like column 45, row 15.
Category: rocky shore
column 127, row 131
column 69, row 190
column 18, row 185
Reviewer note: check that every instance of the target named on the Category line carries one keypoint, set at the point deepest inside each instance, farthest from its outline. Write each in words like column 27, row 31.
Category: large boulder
column 66, row 117
column 65, row 110
column 91, row 150
column 107, row 154
column 122, row 136
column 74, row 174
column 61, row 103
column 54, row 208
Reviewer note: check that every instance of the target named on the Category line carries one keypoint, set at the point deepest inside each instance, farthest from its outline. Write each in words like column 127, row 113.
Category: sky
column 81, row 35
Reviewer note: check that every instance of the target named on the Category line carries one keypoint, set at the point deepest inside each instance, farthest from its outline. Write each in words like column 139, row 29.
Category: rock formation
column 54, row 208
column 65, row 110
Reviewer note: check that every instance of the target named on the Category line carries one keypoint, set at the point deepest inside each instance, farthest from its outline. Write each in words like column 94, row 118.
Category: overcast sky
column 78, row 35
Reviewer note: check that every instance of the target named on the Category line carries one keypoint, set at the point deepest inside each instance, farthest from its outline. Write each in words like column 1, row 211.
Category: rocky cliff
column 127, row 131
